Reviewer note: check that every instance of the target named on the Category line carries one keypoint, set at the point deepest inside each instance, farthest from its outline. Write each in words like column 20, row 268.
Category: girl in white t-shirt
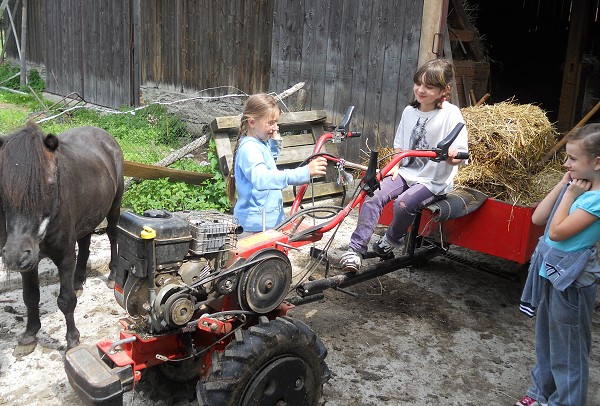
column 416, row 182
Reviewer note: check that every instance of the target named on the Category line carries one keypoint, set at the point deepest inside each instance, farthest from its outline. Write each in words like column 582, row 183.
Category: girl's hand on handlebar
column 317, row 167
column 452, row 153
column 394, row 171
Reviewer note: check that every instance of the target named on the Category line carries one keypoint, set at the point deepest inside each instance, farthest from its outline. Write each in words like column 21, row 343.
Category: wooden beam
column 430, row 29
column 143, row 171
column 464, row 22
column 570, row 99
column 461, row 35
column 285, row 120
column 564, row 139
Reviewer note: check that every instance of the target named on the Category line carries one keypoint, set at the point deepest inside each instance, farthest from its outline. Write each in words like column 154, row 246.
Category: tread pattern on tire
column 233, row 368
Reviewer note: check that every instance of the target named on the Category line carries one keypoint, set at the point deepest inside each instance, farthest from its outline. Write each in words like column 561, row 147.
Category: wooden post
column 430, row 28
column 23, row 45
column 483, row 99
column 571, row 84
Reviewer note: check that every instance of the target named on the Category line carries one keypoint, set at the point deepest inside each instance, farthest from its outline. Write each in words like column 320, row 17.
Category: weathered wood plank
column 360, row 65
column 144, row 171
column 333, row 57
column 285, row 120
column 389, row 110
column 317, row 90
column 375, row 70
column 343, row 92
column 321, row 189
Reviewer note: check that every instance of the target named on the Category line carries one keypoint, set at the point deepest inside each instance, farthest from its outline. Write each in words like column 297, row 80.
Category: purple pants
column 409, row 200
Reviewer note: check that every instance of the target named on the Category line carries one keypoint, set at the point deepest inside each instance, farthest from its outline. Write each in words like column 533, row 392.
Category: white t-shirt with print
column 424, row 130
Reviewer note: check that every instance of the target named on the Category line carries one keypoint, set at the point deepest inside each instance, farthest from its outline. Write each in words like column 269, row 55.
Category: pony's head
column 28, row 193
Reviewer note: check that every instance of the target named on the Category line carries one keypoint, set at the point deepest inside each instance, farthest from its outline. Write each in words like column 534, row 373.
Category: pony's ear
column 51, row 142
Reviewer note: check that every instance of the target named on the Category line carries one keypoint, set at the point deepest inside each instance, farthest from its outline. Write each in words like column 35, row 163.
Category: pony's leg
column 112, row 220
column 31, row 297
column 82, row 258
column 67, row 300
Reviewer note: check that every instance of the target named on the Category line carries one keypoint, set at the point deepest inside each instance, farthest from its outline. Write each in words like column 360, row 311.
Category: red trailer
column 496, row 228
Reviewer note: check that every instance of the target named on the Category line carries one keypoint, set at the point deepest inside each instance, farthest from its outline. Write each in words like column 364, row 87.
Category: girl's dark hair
column 438, row 73
column 257, row 106
column 589, row 135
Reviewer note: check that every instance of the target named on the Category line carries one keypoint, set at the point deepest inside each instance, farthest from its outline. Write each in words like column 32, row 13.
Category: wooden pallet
column 300, row 130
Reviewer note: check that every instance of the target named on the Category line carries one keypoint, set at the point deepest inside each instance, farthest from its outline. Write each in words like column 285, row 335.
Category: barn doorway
column 528, row 46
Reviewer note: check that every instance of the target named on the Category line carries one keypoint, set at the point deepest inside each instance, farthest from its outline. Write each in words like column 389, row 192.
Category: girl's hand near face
column 579, row 187
column 566, row 178
column 317, row 167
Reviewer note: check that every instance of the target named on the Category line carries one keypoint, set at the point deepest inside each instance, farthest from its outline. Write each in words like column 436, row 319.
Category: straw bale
column 506, row 143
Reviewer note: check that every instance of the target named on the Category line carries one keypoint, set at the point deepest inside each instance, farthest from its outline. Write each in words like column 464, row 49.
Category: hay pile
column 506, row 143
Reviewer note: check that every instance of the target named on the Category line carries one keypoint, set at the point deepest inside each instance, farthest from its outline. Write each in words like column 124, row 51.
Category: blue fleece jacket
column 259, row 184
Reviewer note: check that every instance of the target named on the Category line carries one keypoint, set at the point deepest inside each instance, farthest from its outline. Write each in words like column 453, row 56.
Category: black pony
column 54, row 191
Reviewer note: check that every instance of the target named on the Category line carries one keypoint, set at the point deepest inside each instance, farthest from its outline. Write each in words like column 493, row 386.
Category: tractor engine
column 165, row 263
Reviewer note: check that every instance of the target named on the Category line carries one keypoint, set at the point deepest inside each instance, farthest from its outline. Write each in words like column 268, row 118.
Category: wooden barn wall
column 84, row 45
column 362, row 53
column 202, row 44
column 35, row 32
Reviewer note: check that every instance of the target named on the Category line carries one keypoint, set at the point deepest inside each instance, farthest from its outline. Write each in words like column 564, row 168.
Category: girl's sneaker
column 385, row 246
column 350, row 261
column 527, row 401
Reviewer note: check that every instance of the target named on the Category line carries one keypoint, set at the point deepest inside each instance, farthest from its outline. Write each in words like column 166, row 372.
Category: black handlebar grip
column 354, row 134
column 462, row 155
column 343, row 126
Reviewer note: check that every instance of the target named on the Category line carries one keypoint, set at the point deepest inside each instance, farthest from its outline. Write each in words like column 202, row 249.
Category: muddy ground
column 444, row 334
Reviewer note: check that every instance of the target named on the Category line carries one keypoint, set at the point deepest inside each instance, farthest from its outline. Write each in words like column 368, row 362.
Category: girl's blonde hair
column 258, row 106
column 438, row 73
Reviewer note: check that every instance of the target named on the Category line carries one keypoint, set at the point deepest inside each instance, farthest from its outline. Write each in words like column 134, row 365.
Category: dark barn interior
column 527, row 42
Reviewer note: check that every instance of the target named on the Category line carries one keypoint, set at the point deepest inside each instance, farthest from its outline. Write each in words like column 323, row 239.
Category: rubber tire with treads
column 280, row 359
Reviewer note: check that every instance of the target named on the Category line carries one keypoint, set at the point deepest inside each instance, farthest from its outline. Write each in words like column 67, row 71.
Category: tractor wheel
column 275, row 362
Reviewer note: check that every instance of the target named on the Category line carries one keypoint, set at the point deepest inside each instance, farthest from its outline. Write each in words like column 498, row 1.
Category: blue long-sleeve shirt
column 259, row 184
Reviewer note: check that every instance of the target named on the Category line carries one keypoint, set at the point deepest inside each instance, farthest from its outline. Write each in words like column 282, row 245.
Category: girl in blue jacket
column 255, row 177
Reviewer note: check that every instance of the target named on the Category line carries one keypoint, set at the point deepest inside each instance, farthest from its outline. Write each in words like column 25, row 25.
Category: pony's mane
column 26, row 166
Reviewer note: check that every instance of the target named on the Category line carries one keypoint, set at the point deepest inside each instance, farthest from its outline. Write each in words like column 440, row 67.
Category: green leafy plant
column 6, row 71
column 178, row 196
column 35, row 80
